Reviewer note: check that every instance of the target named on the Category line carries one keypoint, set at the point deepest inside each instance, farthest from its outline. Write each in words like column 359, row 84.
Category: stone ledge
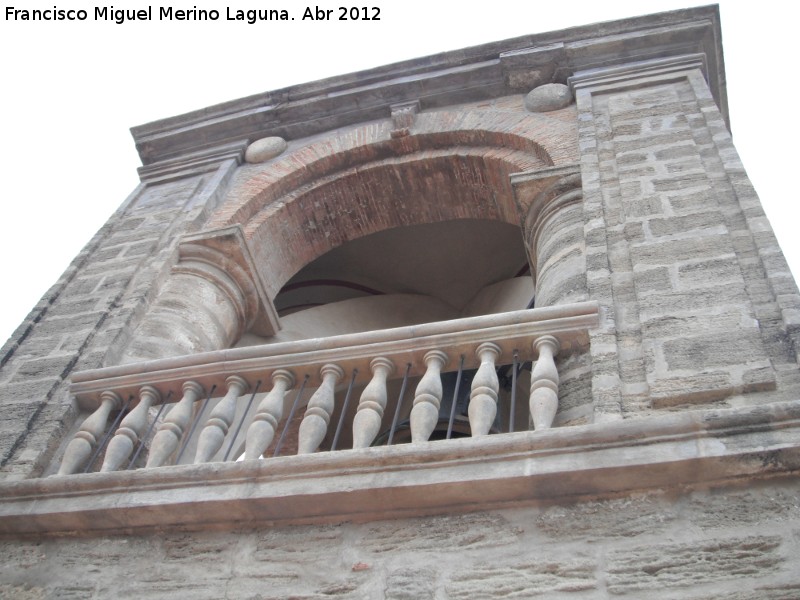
column 510, row 330
column 701, row 448
column 471, row 74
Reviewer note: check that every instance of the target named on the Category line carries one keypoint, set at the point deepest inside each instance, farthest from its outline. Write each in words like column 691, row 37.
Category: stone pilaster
column 665, row 242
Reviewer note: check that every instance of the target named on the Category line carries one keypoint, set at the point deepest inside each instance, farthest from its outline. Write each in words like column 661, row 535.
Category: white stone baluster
column 544, row 383
column 428, row 397
column 130, row 430
column 268, row 415
column 483, row 394
column 169, row 433
column 318, row 414
column 213, row 434
column 81, row 446
column 367, row 421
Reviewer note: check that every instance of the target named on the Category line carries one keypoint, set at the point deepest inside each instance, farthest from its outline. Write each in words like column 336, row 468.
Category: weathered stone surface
column 287, row 544
column 657, row 279
column 716, row 270
column 522, row 580
column 786, row 591
column 411, row 584
column 724, row 348
column 617, row 518
column 685, row 565
column 22, row 592
column 548, row 97
column 736, row 509
column 575, row 385
column 464, row 532
column 264, row 149
column 706, row 386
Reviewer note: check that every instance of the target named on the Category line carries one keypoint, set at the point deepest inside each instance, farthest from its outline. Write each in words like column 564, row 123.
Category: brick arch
column 363, row 181
column 438, row 186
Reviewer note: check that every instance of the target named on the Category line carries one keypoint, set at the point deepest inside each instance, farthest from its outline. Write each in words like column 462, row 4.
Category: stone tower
column 502, row 322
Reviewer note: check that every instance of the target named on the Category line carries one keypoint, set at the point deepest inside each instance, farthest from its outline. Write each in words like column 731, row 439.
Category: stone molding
column 193, row 163
column 472, row 74
column 632, row 74
column 690, row 449
column 223, row 257
column 529, row 186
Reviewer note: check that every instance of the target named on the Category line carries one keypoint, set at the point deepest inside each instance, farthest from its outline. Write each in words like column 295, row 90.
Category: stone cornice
column 695, row 448
column 616, row 77
column 193, row 163
column 486, row 71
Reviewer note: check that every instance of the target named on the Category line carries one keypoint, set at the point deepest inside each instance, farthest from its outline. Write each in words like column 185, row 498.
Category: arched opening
column 406, row 276
column 407, row 235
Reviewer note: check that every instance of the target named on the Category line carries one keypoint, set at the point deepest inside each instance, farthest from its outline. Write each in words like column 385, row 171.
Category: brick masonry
column 360, row 180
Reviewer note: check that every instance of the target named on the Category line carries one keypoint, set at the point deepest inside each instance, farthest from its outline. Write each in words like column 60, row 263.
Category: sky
column 71, row 90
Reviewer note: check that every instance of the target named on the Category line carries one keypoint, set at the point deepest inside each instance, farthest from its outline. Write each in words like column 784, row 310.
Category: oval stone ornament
column 264, row 149
column 547, row 97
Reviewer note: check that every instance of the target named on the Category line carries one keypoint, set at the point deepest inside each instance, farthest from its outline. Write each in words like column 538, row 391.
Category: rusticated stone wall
column 676, row 244
column 87, row 317
column 740, row 544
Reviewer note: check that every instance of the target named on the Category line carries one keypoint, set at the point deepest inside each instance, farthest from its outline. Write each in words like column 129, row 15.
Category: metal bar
column 194, row 424
column 241, row 421
column 399, row 404
column 513, row 393
column 455, row 397
column 109, row 433
column 344, row 410
column 289, row 418
column 149, row 431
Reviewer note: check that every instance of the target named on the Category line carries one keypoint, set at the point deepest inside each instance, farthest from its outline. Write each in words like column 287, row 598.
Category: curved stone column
column 555, row 243
column 554, row 240
column 212, row 296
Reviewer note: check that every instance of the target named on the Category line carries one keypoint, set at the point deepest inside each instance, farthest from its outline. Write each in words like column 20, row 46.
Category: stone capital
column 634, row 74
column 193, row 163
column 223, row 257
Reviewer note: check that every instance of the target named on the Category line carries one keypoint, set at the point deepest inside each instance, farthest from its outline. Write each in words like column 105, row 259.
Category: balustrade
column 483, row 344
column 220, row 421
column 367, row 422
column 268, row 415
column 85, row 441
column 130, row 430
